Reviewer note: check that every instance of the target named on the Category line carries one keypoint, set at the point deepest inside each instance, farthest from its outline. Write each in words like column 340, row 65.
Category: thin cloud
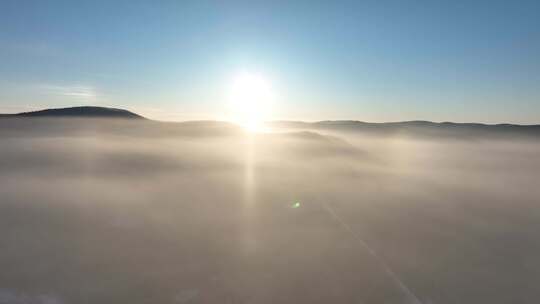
column 75, row 91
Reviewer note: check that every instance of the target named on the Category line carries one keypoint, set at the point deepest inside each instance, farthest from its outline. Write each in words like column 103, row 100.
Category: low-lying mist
column 119, row 211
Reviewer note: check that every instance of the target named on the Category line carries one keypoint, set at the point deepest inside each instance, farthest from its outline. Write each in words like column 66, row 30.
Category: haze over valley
column 100, row 210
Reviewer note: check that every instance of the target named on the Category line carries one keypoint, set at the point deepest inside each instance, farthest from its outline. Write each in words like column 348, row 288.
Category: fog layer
column 96, row 211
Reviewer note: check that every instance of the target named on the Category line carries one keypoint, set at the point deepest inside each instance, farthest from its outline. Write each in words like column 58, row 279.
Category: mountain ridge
column 97, row 111
column 395, row 123
column 80, row 111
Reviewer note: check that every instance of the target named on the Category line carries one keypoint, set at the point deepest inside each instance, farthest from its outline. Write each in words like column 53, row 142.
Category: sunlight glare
column 250, row 100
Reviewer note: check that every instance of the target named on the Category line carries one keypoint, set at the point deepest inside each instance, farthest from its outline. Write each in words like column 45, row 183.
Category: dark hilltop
column 85, row 111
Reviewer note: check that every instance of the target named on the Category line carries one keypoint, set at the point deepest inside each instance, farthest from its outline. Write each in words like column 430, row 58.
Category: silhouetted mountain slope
column 415, row 128
column 406, row 128
column 16, row 126
column 87, row 111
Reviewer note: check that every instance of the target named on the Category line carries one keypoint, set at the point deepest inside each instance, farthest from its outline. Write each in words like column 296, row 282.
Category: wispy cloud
column 74, row 91
column 60, row 95
column 21, row 97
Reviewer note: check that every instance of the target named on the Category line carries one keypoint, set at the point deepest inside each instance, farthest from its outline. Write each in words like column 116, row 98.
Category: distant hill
column 88, row 111
column 415, row 128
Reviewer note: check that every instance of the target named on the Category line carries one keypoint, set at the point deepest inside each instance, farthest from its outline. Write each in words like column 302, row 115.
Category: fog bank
column 110, row 211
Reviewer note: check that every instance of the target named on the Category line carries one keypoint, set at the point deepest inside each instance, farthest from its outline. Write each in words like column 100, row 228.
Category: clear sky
column 365, row 60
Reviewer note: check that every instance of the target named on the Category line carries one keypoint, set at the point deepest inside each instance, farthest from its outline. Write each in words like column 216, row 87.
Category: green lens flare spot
column 296, row 205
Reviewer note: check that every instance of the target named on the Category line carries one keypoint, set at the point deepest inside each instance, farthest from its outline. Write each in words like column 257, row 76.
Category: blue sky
column 366, row 60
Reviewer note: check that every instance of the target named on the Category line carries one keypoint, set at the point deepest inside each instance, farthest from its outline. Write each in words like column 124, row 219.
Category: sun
column 250, row 101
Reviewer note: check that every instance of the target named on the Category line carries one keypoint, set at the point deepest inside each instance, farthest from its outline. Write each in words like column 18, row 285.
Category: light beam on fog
column 407, row 292
column 249, row 241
